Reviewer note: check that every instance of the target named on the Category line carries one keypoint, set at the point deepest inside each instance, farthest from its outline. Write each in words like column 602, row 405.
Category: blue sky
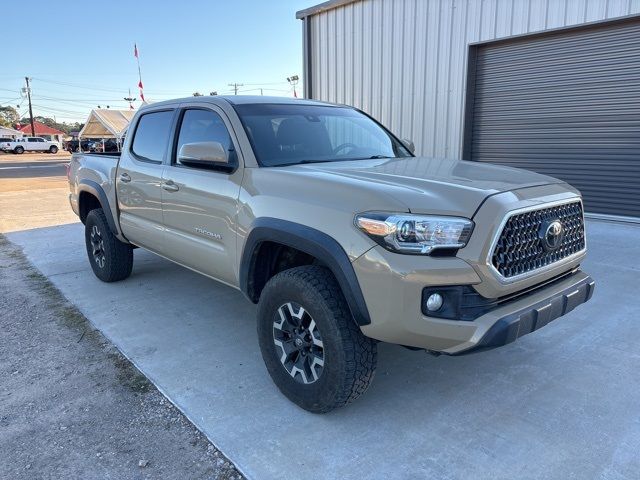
column 83, row 56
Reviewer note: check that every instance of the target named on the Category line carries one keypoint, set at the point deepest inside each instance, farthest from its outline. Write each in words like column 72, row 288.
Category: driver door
column 200, row 205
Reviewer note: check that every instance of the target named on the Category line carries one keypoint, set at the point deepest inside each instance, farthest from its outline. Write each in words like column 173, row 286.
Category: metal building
column 548, row 85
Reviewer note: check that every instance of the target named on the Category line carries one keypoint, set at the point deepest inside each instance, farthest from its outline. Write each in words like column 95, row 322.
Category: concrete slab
column 560, row 403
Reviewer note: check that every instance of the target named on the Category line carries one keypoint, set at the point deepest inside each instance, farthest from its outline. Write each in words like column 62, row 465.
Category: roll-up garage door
column 565, row 104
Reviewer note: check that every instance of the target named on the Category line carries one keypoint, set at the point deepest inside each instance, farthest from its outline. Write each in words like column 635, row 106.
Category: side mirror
column 409, row 144
column 204, row 155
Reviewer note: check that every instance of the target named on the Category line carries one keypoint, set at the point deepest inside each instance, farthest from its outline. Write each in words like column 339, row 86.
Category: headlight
column 416, row 234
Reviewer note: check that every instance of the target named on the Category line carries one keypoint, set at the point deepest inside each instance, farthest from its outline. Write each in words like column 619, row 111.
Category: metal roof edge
column 322, row 7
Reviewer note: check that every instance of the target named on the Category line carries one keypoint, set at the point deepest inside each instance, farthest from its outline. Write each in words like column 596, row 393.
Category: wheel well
column 271, row 258
column 87, row 202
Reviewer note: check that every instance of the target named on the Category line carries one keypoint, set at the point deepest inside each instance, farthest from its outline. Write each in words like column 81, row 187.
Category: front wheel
column 314, row 351
column 53, row 149
column 110, row 259
column 19, row 150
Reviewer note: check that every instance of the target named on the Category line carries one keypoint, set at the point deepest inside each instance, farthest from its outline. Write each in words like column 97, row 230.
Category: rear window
column 152, row 136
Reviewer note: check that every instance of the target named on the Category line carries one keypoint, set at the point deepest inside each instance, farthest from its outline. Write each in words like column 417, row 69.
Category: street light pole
column 293, row 81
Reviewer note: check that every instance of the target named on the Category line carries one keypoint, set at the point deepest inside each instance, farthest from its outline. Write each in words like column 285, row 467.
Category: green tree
column 8, row 116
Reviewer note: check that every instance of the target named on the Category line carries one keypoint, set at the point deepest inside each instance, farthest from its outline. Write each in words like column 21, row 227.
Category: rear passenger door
column 139, row 177
column 200, row 205
column 32, row 144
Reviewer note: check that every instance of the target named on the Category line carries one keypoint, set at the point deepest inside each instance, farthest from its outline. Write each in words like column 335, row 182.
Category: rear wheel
column 315, row 353
column 18, row 150
column 110, row 259
column 53, row 149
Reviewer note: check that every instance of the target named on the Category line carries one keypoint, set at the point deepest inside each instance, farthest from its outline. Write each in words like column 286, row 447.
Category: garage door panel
column 565, row 104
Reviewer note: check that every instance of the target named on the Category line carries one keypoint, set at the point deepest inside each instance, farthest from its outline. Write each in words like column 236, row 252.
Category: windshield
column 289, row 134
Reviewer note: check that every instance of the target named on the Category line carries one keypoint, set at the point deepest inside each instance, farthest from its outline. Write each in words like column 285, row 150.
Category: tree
column 8, row 116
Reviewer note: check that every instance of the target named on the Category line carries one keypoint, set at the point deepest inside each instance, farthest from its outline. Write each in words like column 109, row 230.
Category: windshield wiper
column 313, row 161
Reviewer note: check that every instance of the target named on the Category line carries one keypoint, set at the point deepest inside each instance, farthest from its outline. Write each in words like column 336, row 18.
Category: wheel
column 110, row 259
column 53, row 149
column 18, row 150
column 314, row 351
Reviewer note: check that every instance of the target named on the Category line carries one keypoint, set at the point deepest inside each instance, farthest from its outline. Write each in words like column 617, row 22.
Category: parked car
column 109, row 145
column 30, row 144
column 341, row 235
column 87, row 146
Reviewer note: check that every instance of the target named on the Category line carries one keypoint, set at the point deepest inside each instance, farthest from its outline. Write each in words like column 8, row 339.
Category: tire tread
column 119, row 255
column 360, row 351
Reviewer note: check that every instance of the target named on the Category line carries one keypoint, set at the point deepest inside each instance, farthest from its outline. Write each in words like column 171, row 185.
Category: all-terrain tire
column 111, row 260
column 18, row 150
column 53, row 149
column 349, row 358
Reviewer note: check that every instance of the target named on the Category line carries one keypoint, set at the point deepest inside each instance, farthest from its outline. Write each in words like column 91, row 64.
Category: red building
column 43, row 131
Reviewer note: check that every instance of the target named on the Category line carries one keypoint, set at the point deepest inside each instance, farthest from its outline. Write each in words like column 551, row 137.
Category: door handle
column 169, row 186
column 125, row 178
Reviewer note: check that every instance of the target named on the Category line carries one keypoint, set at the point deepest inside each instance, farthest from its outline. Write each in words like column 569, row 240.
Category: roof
column 40, row 128
column 9, row 131
column 107, row 123
column 322, row 7
column 238, row 100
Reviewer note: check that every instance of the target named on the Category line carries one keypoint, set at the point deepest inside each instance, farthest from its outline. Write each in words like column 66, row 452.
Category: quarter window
column 152, row 136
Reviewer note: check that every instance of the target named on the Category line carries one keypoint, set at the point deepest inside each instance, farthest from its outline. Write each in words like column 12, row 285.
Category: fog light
column 434, row 302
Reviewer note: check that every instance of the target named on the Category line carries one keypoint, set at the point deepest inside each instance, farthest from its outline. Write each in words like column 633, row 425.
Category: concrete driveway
column 561, row 403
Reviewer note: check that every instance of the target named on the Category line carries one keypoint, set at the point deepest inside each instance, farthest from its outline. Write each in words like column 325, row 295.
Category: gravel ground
column 71, row 406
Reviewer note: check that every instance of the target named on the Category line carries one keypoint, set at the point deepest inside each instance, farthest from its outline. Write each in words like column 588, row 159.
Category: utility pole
column 33, row 127
column 235, row 87
column 130, row 99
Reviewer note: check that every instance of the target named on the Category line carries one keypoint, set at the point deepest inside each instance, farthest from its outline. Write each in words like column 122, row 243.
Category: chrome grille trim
column 545, row 267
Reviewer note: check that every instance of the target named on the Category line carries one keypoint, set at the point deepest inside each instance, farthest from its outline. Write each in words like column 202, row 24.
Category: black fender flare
column 313, row 242
column 96, row 190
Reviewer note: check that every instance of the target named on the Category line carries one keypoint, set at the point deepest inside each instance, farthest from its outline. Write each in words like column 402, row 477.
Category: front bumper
column 530, row 318
column 392, row 286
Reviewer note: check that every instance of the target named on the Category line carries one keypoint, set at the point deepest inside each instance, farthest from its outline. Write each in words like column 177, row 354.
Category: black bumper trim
column 534, row 317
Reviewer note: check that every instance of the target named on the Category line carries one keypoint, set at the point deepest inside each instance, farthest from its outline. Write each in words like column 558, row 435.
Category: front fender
column 313, row 242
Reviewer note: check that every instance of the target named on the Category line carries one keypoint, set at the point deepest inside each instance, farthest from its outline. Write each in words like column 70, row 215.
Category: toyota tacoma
column 340, row 235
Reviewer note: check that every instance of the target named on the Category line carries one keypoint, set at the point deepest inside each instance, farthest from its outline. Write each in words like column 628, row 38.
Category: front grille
column 521, row 247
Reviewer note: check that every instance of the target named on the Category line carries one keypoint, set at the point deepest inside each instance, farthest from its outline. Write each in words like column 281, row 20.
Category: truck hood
column 432, row 185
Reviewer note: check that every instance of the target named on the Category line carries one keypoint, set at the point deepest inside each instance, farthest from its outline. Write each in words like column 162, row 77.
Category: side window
column 152, row 136
column 203, row 126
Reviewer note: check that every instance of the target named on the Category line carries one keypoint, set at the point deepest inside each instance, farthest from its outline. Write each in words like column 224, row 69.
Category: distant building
column 6, row 132
column 43, row 131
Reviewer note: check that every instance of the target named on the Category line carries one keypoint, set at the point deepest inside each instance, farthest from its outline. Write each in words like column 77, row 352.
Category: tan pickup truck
column 337, row 231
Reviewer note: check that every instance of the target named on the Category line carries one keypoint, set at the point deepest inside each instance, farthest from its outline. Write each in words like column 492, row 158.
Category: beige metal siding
column 404, row 61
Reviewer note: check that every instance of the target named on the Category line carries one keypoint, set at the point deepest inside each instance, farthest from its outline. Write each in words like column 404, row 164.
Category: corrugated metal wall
column 405, row 61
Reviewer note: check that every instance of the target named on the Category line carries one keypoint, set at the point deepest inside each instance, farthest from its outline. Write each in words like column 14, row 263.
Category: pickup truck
column 30, row 144
column 340, row 235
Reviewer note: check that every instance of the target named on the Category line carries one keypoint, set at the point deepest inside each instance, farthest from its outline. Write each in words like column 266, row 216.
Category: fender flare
column 310, row 241
column 96, row 190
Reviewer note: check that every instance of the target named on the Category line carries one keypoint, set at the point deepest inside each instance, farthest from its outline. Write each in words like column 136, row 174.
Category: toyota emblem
column 552, row 234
